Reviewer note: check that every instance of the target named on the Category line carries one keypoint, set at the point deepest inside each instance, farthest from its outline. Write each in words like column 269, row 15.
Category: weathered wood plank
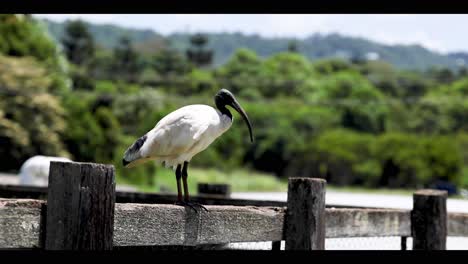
column 144, row 224
column 367, row 222
column 429, row 220
column 305, row 219
column 224, row 224
column 457, row 224
column 80, row 206
column 20, row 223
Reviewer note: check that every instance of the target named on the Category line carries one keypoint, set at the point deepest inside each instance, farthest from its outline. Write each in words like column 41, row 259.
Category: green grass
column 241, row 180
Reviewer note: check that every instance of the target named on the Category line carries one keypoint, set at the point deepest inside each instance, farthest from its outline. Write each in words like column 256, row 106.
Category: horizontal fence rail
column 22, row 223
column 367, row 222
column 80, row 210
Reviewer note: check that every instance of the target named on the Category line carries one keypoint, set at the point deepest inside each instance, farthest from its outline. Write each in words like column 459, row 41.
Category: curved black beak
column 241, row 111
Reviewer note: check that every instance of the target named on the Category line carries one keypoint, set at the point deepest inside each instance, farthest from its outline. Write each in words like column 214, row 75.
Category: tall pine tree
column 198, row 54
column 78, row 43
column 126, row 60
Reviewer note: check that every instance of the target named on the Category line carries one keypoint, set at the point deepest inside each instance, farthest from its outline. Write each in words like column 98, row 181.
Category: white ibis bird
column 182, row 134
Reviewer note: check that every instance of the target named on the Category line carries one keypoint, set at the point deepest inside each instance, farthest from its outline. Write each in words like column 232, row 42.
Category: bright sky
column 443, row 33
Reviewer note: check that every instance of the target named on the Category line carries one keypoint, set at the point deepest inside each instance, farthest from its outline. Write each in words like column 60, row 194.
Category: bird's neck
column 222, row 108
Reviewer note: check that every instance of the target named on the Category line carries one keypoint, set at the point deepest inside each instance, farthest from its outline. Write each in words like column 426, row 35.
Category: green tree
column 462, row 72
column 347, row 158
column 83, row 135
column 451, row 104
column 93, row 131
column 22, row 35
column 441, row 75
column 137, row 113
column 31, row 119
column 362, row 106
column 126, row 60
column 198, row 54
column 330, row 66
column 413, row 84
column 169, row 68
column 409, row 160
column 170, row 62
column 384, row 77
column 292, row 46
column 287, row 74
column 100, row 67
column 201, row 82
column 241, row 74
column 78, row 43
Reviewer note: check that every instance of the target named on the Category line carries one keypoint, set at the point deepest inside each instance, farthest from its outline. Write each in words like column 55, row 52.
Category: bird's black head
column 225, row 97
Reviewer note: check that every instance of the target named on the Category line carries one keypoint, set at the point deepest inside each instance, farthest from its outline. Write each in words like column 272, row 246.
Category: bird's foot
column 191, row 204
column 197, row 204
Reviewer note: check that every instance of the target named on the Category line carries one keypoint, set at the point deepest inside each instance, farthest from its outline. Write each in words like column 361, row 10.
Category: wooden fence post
column 305, row 214
column 429, row 220
column 80, row 206
column 276, row 245
column 403, row 242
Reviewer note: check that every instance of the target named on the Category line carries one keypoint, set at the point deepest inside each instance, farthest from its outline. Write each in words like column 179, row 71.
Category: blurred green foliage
column 361, row 123
column 31, row 116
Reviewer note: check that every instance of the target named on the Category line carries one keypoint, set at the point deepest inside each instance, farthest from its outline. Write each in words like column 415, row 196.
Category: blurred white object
column 35, row 170
column 464, row 193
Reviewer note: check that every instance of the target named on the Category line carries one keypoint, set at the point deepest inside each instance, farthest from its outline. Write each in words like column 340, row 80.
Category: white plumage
column 180, row 135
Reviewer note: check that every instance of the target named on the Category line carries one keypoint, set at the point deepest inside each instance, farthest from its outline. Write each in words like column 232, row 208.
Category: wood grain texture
column 367, row 222
column 144, row 224
column 305, row 219
column 20, row 223
column 80, row 206
column 165, row 225
column 429, row 220
column 457, row 224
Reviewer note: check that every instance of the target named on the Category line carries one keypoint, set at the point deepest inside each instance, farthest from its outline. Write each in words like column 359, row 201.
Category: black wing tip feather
column 137, row 145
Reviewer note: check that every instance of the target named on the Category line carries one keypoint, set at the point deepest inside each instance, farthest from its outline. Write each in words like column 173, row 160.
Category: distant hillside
column 314, row 47
column 461, row 58
column 106, row 35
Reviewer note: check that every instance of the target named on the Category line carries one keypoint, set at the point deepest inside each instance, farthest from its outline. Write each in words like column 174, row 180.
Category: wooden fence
column 82, row 211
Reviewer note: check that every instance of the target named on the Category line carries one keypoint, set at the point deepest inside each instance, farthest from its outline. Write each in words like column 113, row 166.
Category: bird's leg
column 184, row 179
column 179, row 189
column 186, row 192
